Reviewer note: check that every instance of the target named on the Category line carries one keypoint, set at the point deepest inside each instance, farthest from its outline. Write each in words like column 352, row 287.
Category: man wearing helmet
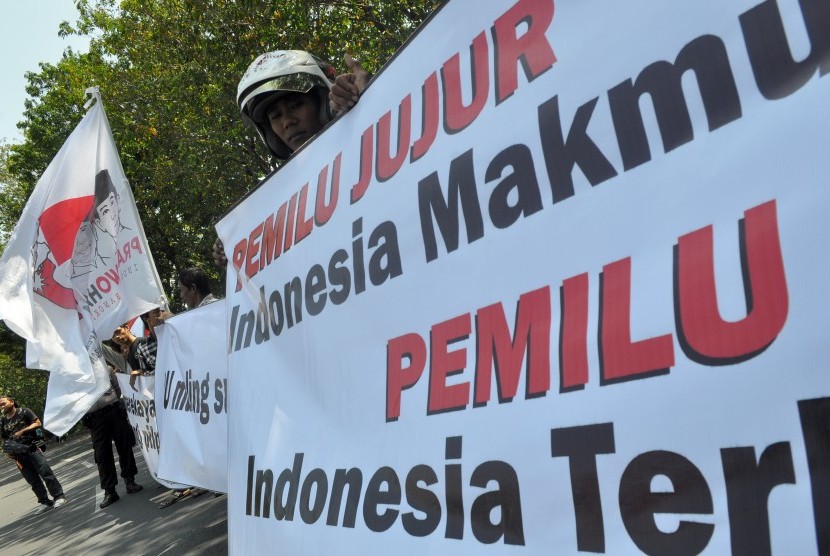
column 282, row 93
column 289, row 96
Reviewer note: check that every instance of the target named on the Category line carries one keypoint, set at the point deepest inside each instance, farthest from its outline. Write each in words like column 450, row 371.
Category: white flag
column 77, row 265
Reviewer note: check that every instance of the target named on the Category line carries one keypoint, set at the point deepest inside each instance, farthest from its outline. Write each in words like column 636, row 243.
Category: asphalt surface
column 135, row 525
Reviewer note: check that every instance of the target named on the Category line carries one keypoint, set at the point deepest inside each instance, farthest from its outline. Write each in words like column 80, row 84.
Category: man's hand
column 348, row 86
column 134, row 374
column 17, row 434
column 219, row 258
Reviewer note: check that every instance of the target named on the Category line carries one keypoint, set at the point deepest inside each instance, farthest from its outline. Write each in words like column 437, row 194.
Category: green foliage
column 167, row 71
column 26, row 386
column 12, row 196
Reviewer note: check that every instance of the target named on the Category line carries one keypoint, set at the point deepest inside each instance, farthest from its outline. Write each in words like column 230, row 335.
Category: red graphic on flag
column 46, row 286
column 60, row 223
column 58, row 230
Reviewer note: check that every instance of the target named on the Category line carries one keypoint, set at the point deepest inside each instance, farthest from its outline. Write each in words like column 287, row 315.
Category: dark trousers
column 36, row 471
column 106, row 426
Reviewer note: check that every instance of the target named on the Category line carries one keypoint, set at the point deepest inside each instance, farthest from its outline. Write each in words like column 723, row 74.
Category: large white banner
column 192, row 396
column 141, row 411
column 557, row 284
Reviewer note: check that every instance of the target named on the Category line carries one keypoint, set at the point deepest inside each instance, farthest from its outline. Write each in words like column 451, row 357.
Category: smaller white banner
column 141, row 410
column 192, row 390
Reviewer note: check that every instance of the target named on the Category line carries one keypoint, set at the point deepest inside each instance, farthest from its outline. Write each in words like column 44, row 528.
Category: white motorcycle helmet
column 275, row 74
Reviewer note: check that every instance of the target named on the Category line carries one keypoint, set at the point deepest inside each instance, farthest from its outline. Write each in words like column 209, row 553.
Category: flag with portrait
column 76, row 266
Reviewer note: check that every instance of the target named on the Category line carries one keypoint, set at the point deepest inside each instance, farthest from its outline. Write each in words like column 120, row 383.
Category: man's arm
column 32, row 420
column 218, row 253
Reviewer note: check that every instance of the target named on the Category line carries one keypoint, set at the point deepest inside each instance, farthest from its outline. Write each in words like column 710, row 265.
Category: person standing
column 20, row 424
column 107, row 423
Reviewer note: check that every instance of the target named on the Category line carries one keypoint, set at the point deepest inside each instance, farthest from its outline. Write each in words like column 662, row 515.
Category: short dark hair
column 103, row 186
column 195, row 276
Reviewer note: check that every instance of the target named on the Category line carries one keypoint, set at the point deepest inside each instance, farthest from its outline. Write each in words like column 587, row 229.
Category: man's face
column 6, row 405
column 108, row 214
column 189, row 295
column 84, row 248
column 295, row 118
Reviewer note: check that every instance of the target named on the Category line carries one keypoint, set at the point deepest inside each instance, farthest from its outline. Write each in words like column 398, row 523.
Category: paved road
column 133, row 525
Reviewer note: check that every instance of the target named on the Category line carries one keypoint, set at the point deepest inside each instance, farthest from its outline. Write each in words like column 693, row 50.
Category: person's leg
column 124, row 439
column 100, row 430
column 101, row 435
column 48, row 476
column 30, row 473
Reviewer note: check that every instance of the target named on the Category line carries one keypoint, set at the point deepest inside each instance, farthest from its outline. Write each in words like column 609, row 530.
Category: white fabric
column 310, row 399
column 75, row 268
column 141, row 411
column 192, row 391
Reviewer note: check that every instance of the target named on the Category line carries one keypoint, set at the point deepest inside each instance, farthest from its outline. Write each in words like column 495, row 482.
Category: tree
column 12, row 196
column 27, row 387
column 167, row 71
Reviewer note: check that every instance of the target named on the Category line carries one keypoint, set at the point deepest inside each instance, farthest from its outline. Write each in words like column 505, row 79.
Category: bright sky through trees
column 28, row 36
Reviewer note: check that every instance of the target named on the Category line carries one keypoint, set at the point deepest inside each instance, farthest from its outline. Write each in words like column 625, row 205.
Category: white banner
column 556, row 284
column 141, row 410
column 77, row 264
column 192, row 388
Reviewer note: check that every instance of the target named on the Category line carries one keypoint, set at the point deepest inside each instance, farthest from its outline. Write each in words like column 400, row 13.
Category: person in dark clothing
column 141, row 352
column 20, row 424
column 108, row 424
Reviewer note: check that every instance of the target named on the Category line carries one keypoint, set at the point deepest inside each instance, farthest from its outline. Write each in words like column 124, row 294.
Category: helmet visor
column 263, row 96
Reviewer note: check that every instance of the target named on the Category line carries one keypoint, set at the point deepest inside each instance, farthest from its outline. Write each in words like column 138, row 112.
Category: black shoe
column 132, row 486
column 109, row 499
